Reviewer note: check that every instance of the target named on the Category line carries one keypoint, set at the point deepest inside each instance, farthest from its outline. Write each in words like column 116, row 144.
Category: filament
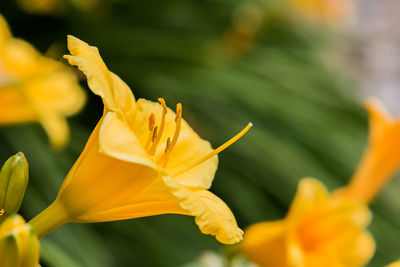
column 214, row 152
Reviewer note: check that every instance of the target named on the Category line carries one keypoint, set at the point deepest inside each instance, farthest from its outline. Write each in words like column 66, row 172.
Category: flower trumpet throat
column 142, row 159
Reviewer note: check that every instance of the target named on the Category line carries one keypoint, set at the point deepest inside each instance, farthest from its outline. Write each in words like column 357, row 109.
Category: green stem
column 48, row 220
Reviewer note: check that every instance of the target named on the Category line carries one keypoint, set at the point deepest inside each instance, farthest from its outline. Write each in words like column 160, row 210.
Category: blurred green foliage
column 308, row 121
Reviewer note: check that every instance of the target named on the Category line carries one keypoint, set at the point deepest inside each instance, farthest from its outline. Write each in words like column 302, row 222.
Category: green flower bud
column 14, row 177
column 19, row 245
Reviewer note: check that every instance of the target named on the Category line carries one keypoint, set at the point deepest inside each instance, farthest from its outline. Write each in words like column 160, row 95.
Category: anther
column 153, row 147
column 152, row 121
column 214, row 152
column 167, row 146
column 178, row 120
column 1, row 212
column 170, row 144
column 154, row 136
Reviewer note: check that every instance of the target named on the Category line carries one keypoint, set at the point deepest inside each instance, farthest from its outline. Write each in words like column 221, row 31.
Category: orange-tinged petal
column 114, row 92
column 264, row 243
column 319, row 230
column 212, row 215
column 154, row 199
column 98, row 181
column 359, row 251
column 310, row 193
column 381, row 158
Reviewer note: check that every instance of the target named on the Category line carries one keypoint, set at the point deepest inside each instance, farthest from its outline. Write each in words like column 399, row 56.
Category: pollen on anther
column 168, row 144
column 154, row 136
column 152, row 121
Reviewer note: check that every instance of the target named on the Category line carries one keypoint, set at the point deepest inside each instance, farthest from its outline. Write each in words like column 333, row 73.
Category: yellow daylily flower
column 142, row 159
column 319, row 230
column 328, row 229
column 327, row 10
column 36, row 88
column 19, row 245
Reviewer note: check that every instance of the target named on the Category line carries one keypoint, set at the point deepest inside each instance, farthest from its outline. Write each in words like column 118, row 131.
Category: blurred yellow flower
column 381, row 158
column 54, row 7
column 394, row 264
column 327, row 10
column 142, row 159
column 319, row 230
column 36, row 88
column 323, row 229
column 19, row 246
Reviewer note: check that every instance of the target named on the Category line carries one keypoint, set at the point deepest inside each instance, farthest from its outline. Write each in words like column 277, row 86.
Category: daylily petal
column 381, row 158
column 310, row 193
column 58, row 92
column 212, row 215
column 117, row 140
column 154, row 199
column 14, row 107
column 188, row 148
column 264, row 243
column 114, row 92
column 358, row 251
column 56, row 128
column 96, row 176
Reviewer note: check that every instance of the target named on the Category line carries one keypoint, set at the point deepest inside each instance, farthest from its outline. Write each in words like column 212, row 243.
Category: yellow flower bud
column 13, row 181
column 19, row 245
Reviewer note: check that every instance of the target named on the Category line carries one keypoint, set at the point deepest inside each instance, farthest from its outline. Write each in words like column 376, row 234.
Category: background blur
column 298, row 73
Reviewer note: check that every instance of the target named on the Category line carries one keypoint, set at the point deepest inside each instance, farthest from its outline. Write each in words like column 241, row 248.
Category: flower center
column 155, row 134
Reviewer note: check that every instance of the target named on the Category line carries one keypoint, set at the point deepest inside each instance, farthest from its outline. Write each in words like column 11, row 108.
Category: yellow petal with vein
column 114, row 92
column 212, row 215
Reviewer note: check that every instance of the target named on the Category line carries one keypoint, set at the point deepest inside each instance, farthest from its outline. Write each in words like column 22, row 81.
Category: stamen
column 152, row 121
column 153, row 138
column 178, row 119
column 1, row 212
column 215, row 152
column 152, row 150
column 167, row 146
